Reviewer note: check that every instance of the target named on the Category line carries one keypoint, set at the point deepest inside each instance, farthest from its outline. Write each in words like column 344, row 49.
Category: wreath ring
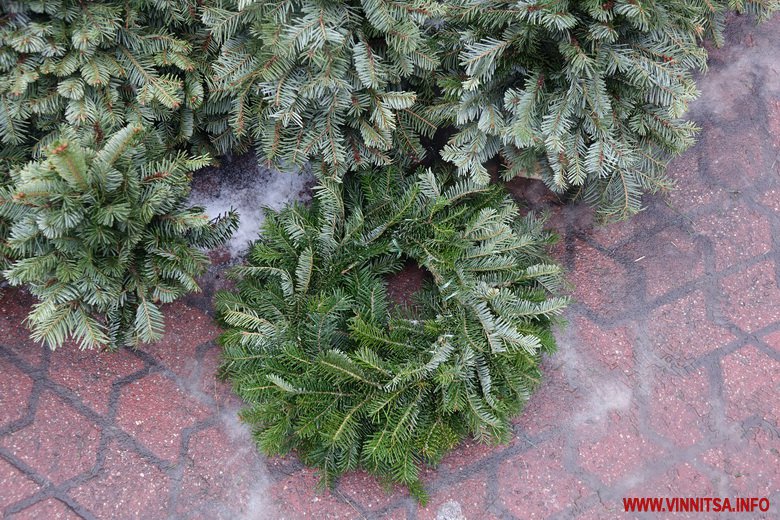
column 328, row 366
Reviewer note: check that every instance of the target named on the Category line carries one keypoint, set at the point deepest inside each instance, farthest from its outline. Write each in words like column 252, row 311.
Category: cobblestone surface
column 666, row 383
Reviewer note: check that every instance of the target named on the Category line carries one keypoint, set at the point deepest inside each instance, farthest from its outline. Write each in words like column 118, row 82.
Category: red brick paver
column 666, row 382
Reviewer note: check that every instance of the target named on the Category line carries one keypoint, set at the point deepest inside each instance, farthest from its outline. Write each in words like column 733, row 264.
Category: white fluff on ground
column 242, row 184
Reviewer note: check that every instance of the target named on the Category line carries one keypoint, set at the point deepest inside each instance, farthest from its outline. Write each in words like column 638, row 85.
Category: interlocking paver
column 153, row 401
column 50, row 509
column 619, row 451
column 535, row 484
column 680, row 331
column 665, row 382
column 59, row 444
column 751, row 383
column 15, row 390
column 752, row 297
column 680, row 409
column 127, row 487
column 465, row 498
column 736, row 233
column 15, row 485
column 187, row 328
column 90, row 374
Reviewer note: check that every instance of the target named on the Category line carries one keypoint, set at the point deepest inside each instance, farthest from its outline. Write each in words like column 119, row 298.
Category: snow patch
column 242, row 184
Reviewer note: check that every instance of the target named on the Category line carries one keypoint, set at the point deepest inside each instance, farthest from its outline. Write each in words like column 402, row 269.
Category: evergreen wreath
column 102, row 236
column 330, row 368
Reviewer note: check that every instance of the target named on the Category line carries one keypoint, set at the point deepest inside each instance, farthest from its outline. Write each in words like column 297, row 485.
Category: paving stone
column 680, row 408
column 91, row 373
column 613, row 235
column 611, row 348
column 601, row 283
column 464, row 498
column 220, row 475
column 670, row 250
column 770, row 198
column 49, row 509
column 680, row 331
column 625, row 406
column 743, row 165
column 364, row 489
column 554, row 402
column 14, row 485
column 128, row 487
column 752, row 297
column 693, row 189
column 185, row 329
column 14, row 336
column 682, row 480
column 751, row 464
column 59, row 444
column 155, row 400
column 619, row 453
column 299, row 497
column 470, row 452
column 751, row 385
column 536, row 484
column 15, row 390
column 208, row 382
column 773, row 340
column 736, row 233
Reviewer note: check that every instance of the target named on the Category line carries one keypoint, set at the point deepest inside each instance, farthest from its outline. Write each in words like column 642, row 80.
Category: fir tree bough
column 102, row 237
column 593, row 92
column 100, row 66
column 589, row 94
column 330, row 368
column 332, row 82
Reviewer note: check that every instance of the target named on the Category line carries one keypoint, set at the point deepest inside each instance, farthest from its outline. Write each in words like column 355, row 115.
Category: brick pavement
column 666, row 383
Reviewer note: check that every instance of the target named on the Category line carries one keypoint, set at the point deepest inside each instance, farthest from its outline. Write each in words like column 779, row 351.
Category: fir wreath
column 329, row 368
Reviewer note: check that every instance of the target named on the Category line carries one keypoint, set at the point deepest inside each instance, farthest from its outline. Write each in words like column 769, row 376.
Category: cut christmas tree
column 102, row 237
